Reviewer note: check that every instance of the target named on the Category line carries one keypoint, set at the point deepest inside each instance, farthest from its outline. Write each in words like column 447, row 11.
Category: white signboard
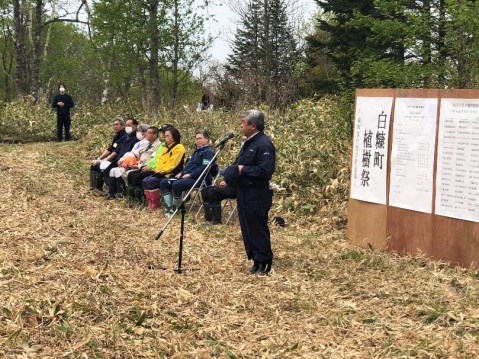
column 457, row 179
column 412, row 154
column 370, row 152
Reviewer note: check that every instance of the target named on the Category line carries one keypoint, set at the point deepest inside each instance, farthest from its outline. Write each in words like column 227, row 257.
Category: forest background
column 81, row 277
column 148, row 59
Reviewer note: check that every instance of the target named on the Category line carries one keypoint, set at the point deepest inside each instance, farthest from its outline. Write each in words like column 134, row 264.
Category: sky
column 224, row 27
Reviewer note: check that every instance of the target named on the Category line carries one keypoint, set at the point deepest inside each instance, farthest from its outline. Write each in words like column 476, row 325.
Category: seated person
column 169, row 163
column 130, row 140
column 144, row 169
column 212, row 197
column 141, row 152
column 96, row 176
column 194, row 168
column 154, row 138
column 205, row 104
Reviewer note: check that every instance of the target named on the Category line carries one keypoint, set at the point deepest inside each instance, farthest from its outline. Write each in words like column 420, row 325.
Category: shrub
column 312, row 140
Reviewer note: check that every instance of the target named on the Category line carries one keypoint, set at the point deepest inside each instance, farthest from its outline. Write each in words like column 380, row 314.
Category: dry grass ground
column 83, row 278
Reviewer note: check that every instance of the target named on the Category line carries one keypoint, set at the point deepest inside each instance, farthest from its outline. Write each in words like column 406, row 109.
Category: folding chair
column 197, row 196
column 229, row 202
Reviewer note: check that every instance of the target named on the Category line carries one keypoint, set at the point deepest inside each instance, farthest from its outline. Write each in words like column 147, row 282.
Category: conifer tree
column 399, row 43
column 264, row 54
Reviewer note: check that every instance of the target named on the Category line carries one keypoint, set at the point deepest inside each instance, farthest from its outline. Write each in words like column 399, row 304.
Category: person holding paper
column 98, row 165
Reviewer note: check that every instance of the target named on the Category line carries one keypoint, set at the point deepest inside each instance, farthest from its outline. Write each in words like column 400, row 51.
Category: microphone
column 229, row 136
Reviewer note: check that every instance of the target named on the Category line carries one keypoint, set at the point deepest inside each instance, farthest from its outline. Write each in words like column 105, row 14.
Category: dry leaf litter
column 82, row 277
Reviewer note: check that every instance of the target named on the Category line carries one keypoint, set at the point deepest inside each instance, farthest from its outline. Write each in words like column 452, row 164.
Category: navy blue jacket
column 127, row 145
column 258, row 157
column 117, row 141
column 198, row 161
column 67, row 100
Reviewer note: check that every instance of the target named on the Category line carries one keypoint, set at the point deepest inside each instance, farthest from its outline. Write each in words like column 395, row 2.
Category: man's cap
column 164, row 127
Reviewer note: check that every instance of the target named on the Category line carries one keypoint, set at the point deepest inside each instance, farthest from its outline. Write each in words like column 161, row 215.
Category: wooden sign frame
column 397, row 229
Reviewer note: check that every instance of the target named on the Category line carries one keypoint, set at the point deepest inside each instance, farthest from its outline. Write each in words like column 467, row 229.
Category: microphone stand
column 181, row 207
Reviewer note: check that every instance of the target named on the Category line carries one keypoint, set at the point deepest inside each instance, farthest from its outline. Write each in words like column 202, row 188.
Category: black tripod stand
column 181, row 206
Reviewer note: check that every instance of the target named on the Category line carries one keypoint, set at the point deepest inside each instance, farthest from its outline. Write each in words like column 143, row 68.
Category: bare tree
column 27, row 76
column 153, row 60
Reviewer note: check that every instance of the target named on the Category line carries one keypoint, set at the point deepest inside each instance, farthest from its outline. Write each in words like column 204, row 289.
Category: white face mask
column 128, row 129
column 62, row 90
column 140, row 136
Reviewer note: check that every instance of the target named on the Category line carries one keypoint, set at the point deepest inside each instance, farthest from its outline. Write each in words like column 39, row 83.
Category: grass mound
column 312, row 140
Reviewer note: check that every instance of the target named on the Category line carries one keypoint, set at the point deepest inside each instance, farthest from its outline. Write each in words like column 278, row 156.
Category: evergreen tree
column 244, row 63
column 344, row 39
column 264, row 54
column 281, row 55
column 320, row 74
column 405, row 43
column 461, row 42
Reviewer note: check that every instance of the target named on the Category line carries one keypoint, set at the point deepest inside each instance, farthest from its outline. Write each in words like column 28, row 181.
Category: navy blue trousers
column 254, row 204
column 215, row 194
column 177, row 186
column 63, row 121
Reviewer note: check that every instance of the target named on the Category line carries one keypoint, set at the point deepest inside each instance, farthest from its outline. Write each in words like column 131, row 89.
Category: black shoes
column 254, row 268
column 261, row 268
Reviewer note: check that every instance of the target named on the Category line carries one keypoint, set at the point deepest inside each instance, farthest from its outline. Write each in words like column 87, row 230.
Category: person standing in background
column 63, row 102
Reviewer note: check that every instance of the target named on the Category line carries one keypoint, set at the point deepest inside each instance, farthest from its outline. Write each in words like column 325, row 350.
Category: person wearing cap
column 96, row 167
column 145, row 169
column 251, row 172
column 63, row 102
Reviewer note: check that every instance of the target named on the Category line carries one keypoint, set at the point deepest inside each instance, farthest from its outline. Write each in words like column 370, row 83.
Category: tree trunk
column 427, row 41
column 265, row 86
column 36, row 54
column 53, row 5
column 20, row 80
column 153, row 61
column 441, row 42
column 176, row 36
column 7, row 59
column 144, row 85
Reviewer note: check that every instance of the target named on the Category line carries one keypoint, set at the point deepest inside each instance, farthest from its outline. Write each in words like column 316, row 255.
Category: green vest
column 152, row 163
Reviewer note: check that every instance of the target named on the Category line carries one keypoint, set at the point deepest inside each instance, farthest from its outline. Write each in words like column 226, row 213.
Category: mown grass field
column 81, row 277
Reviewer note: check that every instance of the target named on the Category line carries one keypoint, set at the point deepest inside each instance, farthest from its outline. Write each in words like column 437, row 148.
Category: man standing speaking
column 252, row 172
